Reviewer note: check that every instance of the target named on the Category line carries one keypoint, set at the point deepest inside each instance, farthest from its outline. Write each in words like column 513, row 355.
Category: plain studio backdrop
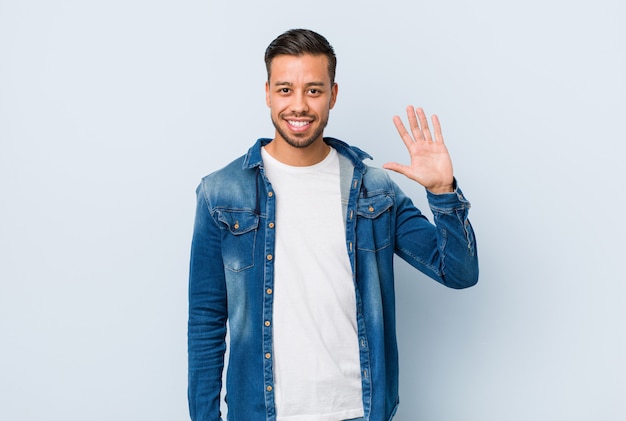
column 112, row 111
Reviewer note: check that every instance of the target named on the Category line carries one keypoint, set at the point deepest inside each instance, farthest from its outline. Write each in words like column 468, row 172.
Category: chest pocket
column 239, row 229
column 373, row 226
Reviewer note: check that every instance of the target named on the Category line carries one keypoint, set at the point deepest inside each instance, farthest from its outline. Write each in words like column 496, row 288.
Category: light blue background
column 111, row 111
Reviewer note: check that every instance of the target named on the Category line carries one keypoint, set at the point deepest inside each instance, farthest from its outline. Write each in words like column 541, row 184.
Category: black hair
column 297, row 42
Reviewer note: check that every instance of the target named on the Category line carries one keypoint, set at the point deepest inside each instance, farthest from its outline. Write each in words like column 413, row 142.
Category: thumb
column 394, row 166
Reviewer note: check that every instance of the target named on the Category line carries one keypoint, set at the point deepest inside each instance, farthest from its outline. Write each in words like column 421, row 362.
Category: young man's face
column 300, row 96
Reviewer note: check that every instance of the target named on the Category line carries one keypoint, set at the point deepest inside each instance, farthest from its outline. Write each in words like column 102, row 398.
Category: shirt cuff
column 448, row 201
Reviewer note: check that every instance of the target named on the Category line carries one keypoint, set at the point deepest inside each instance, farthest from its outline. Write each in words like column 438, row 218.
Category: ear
column 267, row 94
column 333, row 95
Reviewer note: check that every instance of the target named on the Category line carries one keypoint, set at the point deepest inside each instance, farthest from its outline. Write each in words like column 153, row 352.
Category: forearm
column 456, row 241
column 206, row 346
column 445, row 250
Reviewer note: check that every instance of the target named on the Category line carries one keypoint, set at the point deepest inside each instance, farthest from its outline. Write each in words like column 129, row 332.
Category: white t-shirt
column 316, row 354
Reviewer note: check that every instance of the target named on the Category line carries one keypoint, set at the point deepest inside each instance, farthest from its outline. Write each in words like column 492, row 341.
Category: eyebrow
column 285, row 83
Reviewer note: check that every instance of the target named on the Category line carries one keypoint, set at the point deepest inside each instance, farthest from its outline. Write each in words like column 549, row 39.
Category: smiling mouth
column 298, row 124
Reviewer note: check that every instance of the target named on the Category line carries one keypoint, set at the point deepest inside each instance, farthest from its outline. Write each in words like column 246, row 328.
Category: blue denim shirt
column 232, row 278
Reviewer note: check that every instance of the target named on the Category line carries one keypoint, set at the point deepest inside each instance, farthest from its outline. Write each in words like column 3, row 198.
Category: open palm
column 430, row 165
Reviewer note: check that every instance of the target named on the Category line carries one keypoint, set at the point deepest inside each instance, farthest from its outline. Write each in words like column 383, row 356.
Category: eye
column 284, row 90
column 314, row 91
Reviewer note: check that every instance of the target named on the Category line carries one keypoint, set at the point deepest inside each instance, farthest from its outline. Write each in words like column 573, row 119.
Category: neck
column 298, row 157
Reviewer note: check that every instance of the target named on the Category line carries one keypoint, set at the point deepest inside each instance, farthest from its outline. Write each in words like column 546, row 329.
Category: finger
column 399, row 168
column 424, row 124
column 414, row 124
column 437, row 129
column 404, row 134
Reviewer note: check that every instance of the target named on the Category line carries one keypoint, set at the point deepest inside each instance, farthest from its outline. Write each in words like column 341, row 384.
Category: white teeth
column 298, row 123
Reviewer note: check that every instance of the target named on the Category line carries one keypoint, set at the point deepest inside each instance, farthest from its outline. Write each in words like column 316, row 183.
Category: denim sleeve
column 445, row 251
column 207, row 315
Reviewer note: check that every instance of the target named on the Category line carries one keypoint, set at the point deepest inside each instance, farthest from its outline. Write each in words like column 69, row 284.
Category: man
column 293, row 245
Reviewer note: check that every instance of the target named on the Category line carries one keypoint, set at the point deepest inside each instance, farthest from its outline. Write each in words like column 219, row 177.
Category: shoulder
column 229, row 186
column 233, row 169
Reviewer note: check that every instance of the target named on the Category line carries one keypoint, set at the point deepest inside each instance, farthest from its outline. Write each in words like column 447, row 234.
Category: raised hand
column 431, row 165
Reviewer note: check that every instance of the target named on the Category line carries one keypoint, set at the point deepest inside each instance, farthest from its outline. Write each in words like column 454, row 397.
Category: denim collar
column 355, row 155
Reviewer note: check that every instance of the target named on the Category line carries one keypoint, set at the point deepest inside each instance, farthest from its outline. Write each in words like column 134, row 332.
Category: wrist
column 442, row 190
column 446, row 188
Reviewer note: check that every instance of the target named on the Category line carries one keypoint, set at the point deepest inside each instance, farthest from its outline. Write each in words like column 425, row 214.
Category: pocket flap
column 239, row 222
column 373, row 207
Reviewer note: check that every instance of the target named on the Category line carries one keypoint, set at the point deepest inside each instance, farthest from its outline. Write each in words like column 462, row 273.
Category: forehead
column 303, row 68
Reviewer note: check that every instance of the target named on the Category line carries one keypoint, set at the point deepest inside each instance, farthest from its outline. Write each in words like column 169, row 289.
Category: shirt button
column 371, row 209
column 236, row 226
column 269, row 388
column 271, row 225
column 269, row 290
column 270, row 194
column 268, row 356
column 270, row 257
column 267, row 323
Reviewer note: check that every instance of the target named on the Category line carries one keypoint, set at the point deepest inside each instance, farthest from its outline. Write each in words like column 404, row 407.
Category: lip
column 298, row 129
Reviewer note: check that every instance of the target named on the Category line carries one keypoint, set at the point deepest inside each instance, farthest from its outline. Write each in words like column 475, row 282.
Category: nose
column 299, row 104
